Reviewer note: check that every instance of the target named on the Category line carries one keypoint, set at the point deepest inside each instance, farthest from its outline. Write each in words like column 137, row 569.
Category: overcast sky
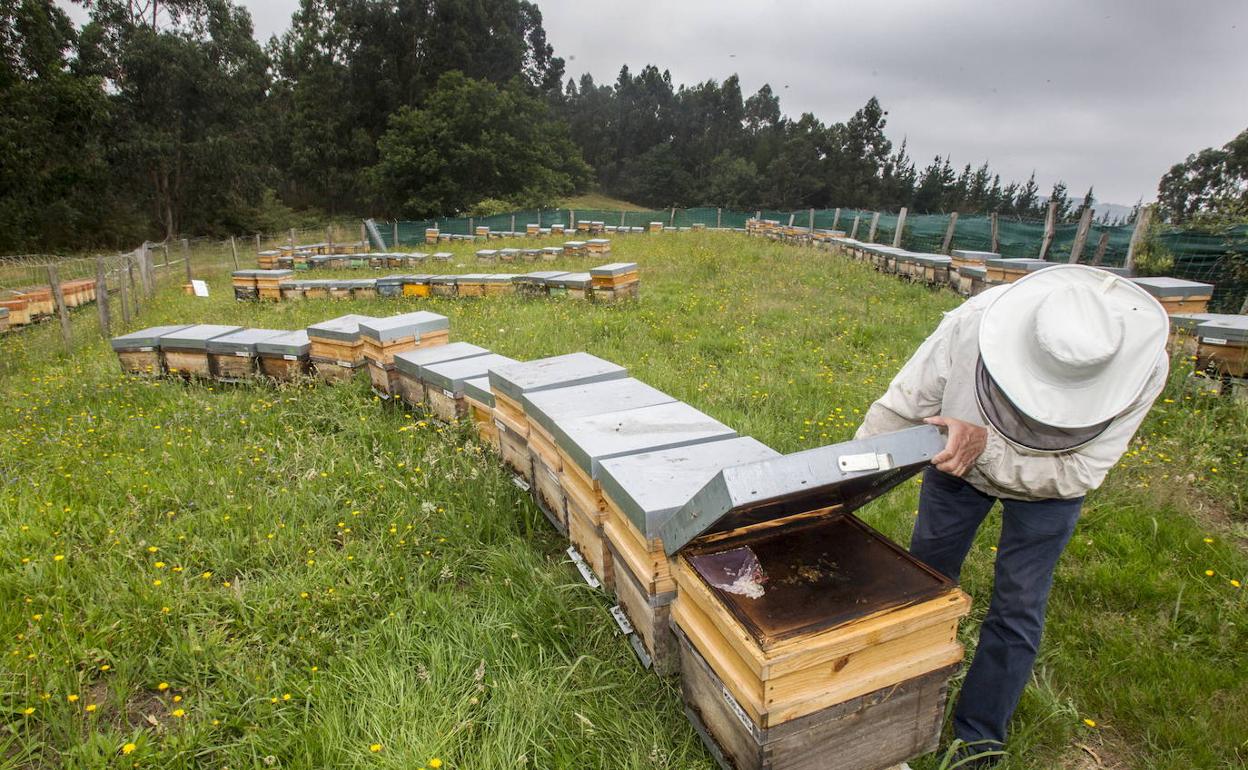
column 1108, row 93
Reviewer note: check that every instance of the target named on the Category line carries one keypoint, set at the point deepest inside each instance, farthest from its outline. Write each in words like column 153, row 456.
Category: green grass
column 599, row 201
column 384, row 573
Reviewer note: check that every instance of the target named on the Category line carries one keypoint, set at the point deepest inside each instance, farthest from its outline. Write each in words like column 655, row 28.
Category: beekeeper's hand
column 965, row 444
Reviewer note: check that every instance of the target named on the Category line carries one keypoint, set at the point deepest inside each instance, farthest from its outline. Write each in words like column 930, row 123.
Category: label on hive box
column 640, row 650
column 289, row 357
column 242, row 353
column 146, row 350
column 448, row 393
column 345, row 364
column 736, row 709
column 621, row 620
column 521, row 483
column 586, row 573
column 1214, row 341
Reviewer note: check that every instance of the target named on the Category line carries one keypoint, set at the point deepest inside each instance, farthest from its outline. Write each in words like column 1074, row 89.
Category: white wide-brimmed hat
column 1072, row 346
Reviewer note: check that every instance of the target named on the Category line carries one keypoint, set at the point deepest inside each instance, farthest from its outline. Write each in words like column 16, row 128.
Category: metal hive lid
column 390, row 280
column 980, row 255
column 395, row 327
column 410, row 361
column 1187, row 322
column 1229, row 329
column 444, row 279
column 1164, row 286
column 554, row 372
column 1029, row 263
column 450, row 375
column 650, row 487
column 499, row 278
column 925, row 258
column 974, row 271
column 478, row 389
column 294, row 343
column 847, row 475
column 540, row 276
column 195, row 337
column 550, row 407
column 572, row 279
column 614, row 268
column 341, row 329
column 242, row 341
column 590, row 440
column 273, row 273
column 144, row 338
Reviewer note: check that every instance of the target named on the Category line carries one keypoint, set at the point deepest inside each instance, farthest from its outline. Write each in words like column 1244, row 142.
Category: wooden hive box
column 444, row 383
column 574, row 249
column 41, row 302
column 585, row 442
column 641, row 492
column 1177, row 295
column 284, row 357
column 530, row 255
column 416, row 285
column 535, row 284
column 480, row 400
column 551, row 253
column 508, row 255
column 545, row 408
column 269, row 283
column 598, row 247
column 932, row 269
column 415, row 259
column 1223, row 346
column 442, row 256
column 185, row 351
column 487, row 255
column 1008, row 270
column 19, row 310
column 294, row 290
column 965, row 258
column 655, row 227
column 390, row 286
column 431, row 235
column 4, row 319
column 510, row 383
column 556, row 229
column 443, row 285
column 316, row 289
column 483, row 231
column 499, row 284
column 139, row 352
column 532, row 229
column 471, row 285
column 614, row 275
column 411, row 385
column 582, row 226
column 363, row 288
column 234, row 357
column 382, row 338
column 795, row 608
column 338, row 288
column 573, row 285
column 336, row 348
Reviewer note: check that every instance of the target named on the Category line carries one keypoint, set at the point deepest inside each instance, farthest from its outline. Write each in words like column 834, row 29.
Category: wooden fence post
column 364, row 235
column 234, row 251
column 672, row 221
column 472, row 226
column 101, row 298
column 719, row 219
column 329, row 239
column 257, row 243
column 812, row 221
column 292, row 241
column 186, row 257
column 875, row 222
column 1142, row 221
column 791, row 219
column 1081, row 235
column 58, row 296
column 836, row 219
column 125, row 291
column 953, row 223
column 1101, row 246
column 1243, row 309
column 1050, row 223
column 513, row 224
column 143, row 272
column 992, row 220
column 853, row 233
column 164, row 247
column 901, row 226
column 572, row 219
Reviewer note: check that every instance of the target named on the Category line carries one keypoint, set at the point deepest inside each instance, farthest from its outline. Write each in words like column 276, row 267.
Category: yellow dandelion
column 206, row 575
column 376, row 747
column 1208, row 573
column 286, row 696
column 1090, row 722
column 156, row 582
column 71, row 698
column 28, row 710
column 162, row 686
column 177, row 699
column 59, row 557
column 91, row 707
column 152, row 549
column 435, row 763
column 128, row 748
column 1235, row 583
column 179, row 713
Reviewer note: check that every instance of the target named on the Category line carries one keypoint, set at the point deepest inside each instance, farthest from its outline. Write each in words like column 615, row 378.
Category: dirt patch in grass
column 1103, row 750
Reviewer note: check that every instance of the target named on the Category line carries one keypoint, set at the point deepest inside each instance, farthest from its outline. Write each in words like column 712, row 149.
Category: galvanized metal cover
column 478, row 389
column 274, row 273
column 390, row 280
column 848, row 475
column 572, row 280
column 499, row 278
column 549, row 407
column 341, row 329
column 410, row 361
column 554, row 372
column 979, row 255
column 451, row 375
column 294, row 343
column 444, row 280
column 1187, row 322
column 934, row 260
column 1231, row 329
column 614, row 268
column 1016, row 263
column 395, row 327
column 1162, row 286
column 195, row 337
column 540, row 276
column 974, row 271
column 651, row 486
column 242, row 342
column 590, row 440
column 144, row 338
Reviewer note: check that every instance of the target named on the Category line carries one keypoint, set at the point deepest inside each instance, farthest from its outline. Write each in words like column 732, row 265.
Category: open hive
column 1178, row 295
column 411, row 388
column 585, row 442
column 544, row 409
column 185, row 351
column 511, row 383
column 139, row 352
column 1222, row 347
column 337, row 349
column 641, row 492
column 480, row 401
column 800, row 628
column 445, row 381
column 234, row 357
column 284, row 356
column 384, row 337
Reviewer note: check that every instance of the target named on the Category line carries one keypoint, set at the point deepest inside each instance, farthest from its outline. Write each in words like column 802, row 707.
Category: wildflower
column 376, row 747
column 28, row 710
column 71, row 697
column 59, row 557
column 128, row 748
column 179, row 713
column 156, row 582
column 91, row 707
column 206, row 575
column 286, row 696
column 1208, row 540
column 177, row 699
column 152, row 549
column 162, row 686
column 1235, row 583
column 1208, row 573
column 105, row 667
column 435, row 763
column 1090, row 722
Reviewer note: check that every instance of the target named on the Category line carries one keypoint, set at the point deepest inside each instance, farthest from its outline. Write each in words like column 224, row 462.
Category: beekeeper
column 1040, row 386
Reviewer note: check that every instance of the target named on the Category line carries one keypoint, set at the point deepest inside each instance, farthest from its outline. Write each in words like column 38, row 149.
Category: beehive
column 1008, row 270
column 408, row 363
column 551, row 253
column 573, row 285
column 384, row 337
column 444, row 382
column 532, row 230
column 790, row 608
column 961, row 258
column 614, row 276
column 284, row 357
column 932, row 269
column 365, row 288
column 642, row 491
column 416, row 285
column 234, row 357
column 431, row 235
column 508, row 255
column 267, row 260
column 41, row 302
column 972, row 280
column 442, row 256
column 316, row 289
column 443, row 285
column 294, row 290
column 1177, row 295
column 185, row 351
column 4, row 319
column 544, row 408
column 574, row 249
column 499, row 284
column 139, row 352
column 656, row 227
column 511, row 383
column 1222, row 347
column 480, row 400
column 336, row 347
column 598, row 247
column 390, row 286
column 487, row 255
column 471, row 285
column 535, row 284
column 556, row 229
column 585, row 442
column 19, row 310
column 269, row 283
column 483, row 231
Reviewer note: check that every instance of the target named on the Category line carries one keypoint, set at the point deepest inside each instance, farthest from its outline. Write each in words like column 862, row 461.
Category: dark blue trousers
column 1033, row 536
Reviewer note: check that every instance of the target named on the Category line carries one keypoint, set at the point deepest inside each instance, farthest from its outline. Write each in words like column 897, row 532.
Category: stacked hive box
column 411, row 386
column 618, row 280
column 18, row 309
column 384, row 337
column 1177, row 295
column 598, row 247
column 802, row 630
column 185, row 351
column 445, row 383
column 285, row 356
column 574, row 285
column 535, row 284
column 574, row 249
column 551, row 253
column 498, row 284
column 443, row 285
column 547, row 408
column 1008, row 270
column 585, row 442
column 234, row 357
column 480, row 400
column 336, row 347
column 269, row 283
column 1222, row 347
column 471, row 285
column 967, row 258
column 932, row 269
column 139, row 352
column 431, row 235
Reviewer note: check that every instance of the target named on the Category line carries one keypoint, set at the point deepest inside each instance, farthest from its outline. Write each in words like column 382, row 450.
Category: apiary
column 337, row 349
column 390, row 286
column 384, row 337
column 443, row 285
column 642, row 491
column 574, row 285
column 535, row 284
column 498, row 284
column 598, row 247
column 487, row 255
column 806, row 638
column 480, row 400
column 964, row 258
column 284, row 356
column 1008, row 270
column 363, row 288
column 444, row 382
column 584, row 443
column 185, row 351
column 408, row 364
column 471, row 285
column 932, row 269
column 551, row 253
column 508, row 255
column 614, row 275
column 18, row 309
column 544, row 408
column 269, row 283
column 1222, row 346
column 511, row 383
column 139, row 352
column 233, row 357
column 574, row 249
column 1177, row 295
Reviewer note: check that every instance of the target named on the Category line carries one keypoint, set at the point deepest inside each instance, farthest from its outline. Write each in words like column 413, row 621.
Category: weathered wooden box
column 244, row 283
column 499, row 284
column 535, row 284
column 443, row 285
column 383, row 338
column 1223, row 346
column 269, row 283
column 575, row 249
column 966, row 258
column 1008, row 269
column 139, row 352
column 444, row 382
column 551, row 253
column 598, row 247
column 285, row 357
column 798, row 607
column 932, row 269
column 480, row 400
column 471, row 285
column 614, row 275
column 233, row 357
column 185, row 351
column 409, row 363
column 336, row 347
column 19, row 310
column 1177, row 295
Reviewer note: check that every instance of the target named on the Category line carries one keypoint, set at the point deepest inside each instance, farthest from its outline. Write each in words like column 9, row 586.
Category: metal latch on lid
column 867, row 461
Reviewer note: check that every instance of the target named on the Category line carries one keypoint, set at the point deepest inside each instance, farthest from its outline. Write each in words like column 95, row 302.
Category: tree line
column 157, row 119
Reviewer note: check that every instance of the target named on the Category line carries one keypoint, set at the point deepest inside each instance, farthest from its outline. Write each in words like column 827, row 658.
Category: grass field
column 599, row 201
column 305, row 576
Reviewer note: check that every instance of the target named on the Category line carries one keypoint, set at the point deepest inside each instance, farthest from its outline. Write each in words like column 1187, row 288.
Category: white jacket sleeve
column 1067, row 475
column 918, row 389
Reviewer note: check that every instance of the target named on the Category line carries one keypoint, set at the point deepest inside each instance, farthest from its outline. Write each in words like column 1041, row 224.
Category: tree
column 1062, row 199
column 1026, row 202
column 471, row 141
column 1210, row 187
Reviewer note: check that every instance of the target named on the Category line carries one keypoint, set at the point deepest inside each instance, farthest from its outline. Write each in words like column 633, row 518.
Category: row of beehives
column 803, row 638
column 605, row 283
column 535, row 230
column 27, row 306
column 773, row 229
column 309, row 257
